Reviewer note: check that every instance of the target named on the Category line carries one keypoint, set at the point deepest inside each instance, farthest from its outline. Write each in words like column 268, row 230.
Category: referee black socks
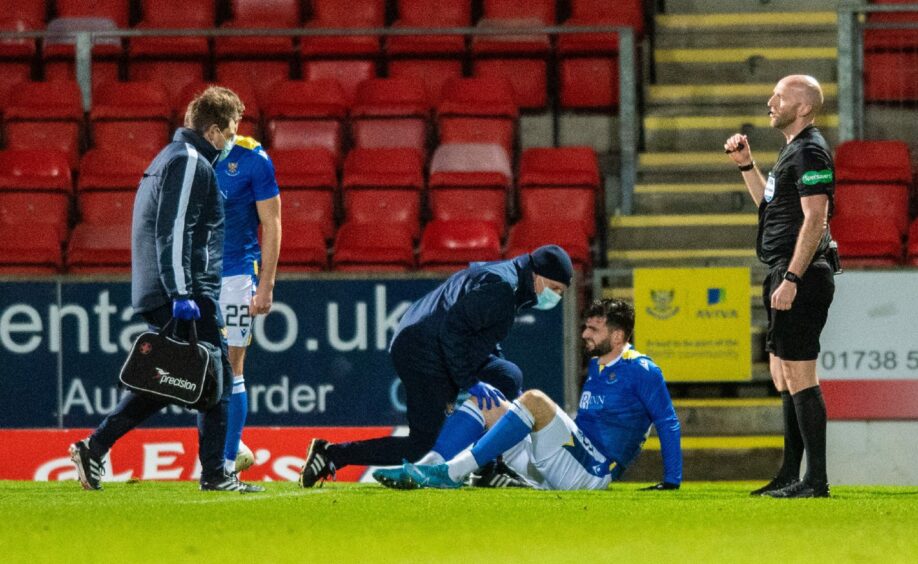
column 811, row 416
column 793, row 440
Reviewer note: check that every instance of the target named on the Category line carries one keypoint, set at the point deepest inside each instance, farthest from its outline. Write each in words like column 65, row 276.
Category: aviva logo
column 813, row 177
column 716, row 296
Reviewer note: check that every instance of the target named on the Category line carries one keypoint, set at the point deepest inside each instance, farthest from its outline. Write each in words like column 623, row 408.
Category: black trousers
column 134, row 409
column 429, row 393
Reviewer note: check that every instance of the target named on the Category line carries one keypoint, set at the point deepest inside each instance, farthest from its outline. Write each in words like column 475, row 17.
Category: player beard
column 598, row 349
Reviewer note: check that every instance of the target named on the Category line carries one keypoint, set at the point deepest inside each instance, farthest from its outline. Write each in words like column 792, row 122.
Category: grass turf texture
column 703, row 522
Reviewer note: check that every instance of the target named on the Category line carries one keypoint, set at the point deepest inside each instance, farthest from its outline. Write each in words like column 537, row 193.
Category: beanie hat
column 552, row 262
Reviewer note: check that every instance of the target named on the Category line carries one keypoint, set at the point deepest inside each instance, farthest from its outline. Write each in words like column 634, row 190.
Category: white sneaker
column 245, row 458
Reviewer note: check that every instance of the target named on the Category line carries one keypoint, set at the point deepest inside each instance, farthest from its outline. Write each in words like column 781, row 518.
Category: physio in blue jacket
column 448, row 341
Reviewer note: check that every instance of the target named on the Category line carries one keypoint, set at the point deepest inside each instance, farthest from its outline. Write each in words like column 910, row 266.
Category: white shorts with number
column 235, row 299
column 560, row 457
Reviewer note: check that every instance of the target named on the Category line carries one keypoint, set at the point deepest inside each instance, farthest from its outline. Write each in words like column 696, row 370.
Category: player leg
column 235, row 297
column 567, row 460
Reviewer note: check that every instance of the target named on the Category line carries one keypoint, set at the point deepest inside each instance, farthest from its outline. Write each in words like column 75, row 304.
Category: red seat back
column 34, row 169
column 115, row 10
column 565, row 204
column 454, row 244
column 391, row 97
column 491, row 97
column 561, row 166
column 354, row 13
column 305, row 99
column 303, row 247
column 314, row 207
column 308, row 168
column 45, row 101
column 305, row 134
column 273, row 13
column 879, row 202
column 528, row 235
column 387, row 207
column 873, row 161
column 541, row 10
column 434, row 13
column 178, row 13
column 107, row 208
column 384, row 168
column 373, row 245
column 136, row 100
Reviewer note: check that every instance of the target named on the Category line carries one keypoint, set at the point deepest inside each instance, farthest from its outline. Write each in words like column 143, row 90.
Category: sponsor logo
column 232, row 169
column 167, row 379
column 590, row 401
column 716, row 296
column 662, row 304
column 770, row 188
column 146, row 348
column 813, row 177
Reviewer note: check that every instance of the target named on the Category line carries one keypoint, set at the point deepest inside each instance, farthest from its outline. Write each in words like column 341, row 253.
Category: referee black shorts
column 794, row 334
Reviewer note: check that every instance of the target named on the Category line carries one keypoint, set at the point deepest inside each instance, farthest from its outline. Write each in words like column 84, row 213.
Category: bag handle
column 171, row 327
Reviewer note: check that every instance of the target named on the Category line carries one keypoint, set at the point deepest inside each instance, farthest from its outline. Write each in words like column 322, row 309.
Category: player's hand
column 186, row 309
column 486, row 394
column 262, row 301
column 740, row 156
column 660, row 486
column 783, row 298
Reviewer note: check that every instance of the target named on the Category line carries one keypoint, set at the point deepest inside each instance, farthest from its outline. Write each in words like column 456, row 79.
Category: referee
column 795, row 204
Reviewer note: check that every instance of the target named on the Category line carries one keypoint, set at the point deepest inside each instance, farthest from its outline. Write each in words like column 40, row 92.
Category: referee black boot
column 776, row 483
column 497, row 475
column 804, row 488
column 318, row 465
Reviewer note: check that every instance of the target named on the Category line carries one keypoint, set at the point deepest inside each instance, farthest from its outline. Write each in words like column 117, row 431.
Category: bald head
column 807, row 91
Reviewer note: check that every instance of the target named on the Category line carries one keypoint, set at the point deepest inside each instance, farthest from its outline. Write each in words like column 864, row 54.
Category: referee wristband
column 747, row 168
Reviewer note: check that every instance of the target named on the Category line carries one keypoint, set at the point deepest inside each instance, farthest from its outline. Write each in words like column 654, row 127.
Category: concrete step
column 697, row 231
column 711, row 165
column 725, row 417
column 747, row 6
column 682, row 258
column 771, row 29
column 754, row 64
column 694, row 198
column 889, row 122
column 686, row 132
column 713, row 458
column 739, row 97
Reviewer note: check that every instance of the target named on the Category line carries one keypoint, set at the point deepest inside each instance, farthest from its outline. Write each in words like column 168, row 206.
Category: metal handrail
column 628, row 118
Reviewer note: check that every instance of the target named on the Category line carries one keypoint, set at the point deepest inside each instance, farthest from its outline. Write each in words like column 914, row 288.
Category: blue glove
column 486, row 394
column 185, row 309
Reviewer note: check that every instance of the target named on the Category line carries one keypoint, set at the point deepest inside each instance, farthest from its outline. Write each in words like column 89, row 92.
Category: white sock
column 431, row 458
column 229, row 466
column 239, row 384
column 461, row 466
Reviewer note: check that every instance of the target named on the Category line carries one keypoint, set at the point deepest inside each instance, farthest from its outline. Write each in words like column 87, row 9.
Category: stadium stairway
column 715, row 63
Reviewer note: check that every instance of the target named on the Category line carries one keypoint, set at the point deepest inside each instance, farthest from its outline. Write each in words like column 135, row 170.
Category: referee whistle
column 739, row 147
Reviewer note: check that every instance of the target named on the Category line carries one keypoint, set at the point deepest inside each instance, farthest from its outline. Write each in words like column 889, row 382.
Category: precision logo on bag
column 167, row 379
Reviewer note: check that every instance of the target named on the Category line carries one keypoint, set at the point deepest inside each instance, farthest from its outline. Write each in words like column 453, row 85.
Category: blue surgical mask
column 227, row 147
column 548, row 299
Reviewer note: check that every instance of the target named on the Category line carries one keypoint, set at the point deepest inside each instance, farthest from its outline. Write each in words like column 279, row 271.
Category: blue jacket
column 177, row 230
column 454, row 328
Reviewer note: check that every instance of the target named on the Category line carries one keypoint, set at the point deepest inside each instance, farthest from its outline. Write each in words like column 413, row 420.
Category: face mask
column 227, row 147
column 548, row 299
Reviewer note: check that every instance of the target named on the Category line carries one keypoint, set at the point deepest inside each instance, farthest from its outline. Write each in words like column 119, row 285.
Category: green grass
column 703, row 522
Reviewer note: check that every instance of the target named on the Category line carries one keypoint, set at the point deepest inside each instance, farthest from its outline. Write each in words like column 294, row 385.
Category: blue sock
column 509, row 430
column 461, row 429
column 235, row 420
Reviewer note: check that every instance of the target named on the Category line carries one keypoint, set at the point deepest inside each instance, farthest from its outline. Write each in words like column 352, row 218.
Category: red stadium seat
column 100, row 248
column 434, row 73
column 865, row 242
column 451, row 245
column 22, row 15
column 391, row 98
column 410, row 133
column 873, row 161
column 570, row 204
column 432, row 14
column 528, row 235
column 172, row 75
column 255, row 14
column 478, row 110
column 263, row 75
column 305, row 134
column 349, row 74
column 470, row 204
column 559, row 166
column 45, row 101
column 470, row 181
column 39, row 210
column 35, row 170
column 308, row 182
column 174, row 14
column 63, row 136
column 116, row 169
column 314, row 207
column 26, row 250
column 303, row 114
column 130, row 114
column 106, row 208
column 891, row 76
column 337, row 14
column 386, row 207
column 383, row 168
column 12, row 74
column 302, row 247
column 375, row 246
column 876, row 202
column 116, row 10
column 891, row 39
column 140, row 136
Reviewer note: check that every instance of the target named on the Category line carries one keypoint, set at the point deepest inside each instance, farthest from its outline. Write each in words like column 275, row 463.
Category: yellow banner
column 694, row 322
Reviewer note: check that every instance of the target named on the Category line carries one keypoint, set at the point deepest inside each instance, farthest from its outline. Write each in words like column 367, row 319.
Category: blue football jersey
column 245, row 176
column 619, row 403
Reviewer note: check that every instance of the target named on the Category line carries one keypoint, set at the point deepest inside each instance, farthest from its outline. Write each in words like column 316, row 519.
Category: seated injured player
column 623, row 395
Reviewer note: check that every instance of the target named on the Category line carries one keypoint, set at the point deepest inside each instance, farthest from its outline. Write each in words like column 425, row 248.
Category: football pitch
column 703, row 522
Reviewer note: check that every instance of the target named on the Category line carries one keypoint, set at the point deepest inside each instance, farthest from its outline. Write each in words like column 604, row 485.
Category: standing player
column 623, row 394
column 245, row 176
column 795, row 205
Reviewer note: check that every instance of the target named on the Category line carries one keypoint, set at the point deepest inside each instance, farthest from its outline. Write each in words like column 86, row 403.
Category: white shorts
column 235, row 298
column 560, row 457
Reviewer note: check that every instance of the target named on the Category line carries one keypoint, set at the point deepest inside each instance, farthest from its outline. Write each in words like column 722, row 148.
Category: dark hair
column 618, row 314
column 216, row 105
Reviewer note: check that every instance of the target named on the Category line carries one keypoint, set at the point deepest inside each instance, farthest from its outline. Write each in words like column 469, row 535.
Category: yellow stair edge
column 722, row 122
column 741, row 20
column 689, row 188
column 683, row 220
column 678, row 254
column 755, row 292
column 723, row 443
column 728, row 402
column 742, row 54
column 705, row 158
column 763, row 91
